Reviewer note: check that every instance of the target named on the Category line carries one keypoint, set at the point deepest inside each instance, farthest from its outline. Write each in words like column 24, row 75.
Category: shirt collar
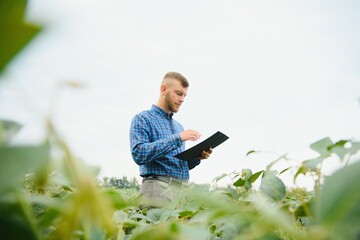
column 161, row 112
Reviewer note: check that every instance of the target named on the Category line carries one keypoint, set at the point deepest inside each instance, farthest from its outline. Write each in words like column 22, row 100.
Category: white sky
column 272, row 75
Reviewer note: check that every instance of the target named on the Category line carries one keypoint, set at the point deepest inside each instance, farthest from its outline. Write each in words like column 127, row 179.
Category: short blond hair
column 177, row 76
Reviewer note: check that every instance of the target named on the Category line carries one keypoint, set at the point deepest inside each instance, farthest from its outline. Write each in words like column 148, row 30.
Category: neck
column 163, row 106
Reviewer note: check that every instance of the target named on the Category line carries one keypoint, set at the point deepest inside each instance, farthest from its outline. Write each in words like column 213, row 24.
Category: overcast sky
column 272, row 75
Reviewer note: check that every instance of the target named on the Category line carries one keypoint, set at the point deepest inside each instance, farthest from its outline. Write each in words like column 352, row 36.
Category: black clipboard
column 211, row 142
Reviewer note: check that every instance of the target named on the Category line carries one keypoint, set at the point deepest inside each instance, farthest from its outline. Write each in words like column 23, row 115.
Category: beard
column 170, row 105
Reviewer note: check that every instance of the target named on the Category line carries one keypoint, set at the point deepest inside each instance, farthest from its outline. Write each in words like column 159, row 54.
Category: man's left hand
column 205, row 154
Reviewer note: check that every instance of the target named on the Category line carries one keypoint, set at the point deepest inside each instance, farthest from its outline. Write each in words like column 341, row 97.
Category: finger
column 205, row 154
column 197, row 135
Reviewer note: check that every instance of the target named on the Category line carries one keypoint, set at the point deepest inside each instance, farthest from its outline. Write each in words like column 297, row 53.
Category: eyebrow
column 180, row 92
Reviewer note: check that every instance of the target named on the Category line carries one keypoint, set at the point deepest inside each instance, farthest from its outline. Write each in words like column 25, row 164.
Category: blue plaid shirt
column 154, row 140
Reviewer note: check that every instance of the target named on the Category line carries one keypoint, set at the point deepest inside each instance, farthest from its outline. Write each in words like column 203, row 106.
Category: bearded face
column 172, row 104
column 174, row 96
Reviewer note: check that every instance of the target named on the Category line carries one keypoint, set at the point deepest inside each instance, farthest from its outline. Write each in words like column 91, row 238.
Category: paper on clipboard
column 211, row 142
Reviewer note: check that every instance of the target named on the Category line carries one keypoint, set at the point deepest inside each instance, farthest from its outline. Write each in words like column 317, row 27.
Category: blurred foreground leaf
column 14, row 220
column 171, row 231
column 8, row 130
column 15, row 162
column 338, row 206
column 14, row 32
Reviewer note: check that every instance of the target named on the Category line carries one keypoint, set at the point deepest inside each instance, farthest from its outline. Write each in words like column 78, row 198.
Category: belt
column 166, row 179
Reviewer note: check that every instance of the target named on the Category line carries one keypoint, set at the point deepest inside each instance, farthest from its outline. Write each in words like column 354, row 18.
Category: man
column 155, row 137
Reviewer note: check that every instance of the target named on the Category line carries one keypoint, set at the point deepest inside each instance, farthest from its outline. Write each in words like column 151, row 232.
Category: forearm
column 144, row 151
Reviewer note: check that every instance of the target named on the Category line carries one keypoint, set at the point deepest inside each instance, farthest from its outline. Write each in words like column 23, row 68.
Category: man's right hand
column 190, row 134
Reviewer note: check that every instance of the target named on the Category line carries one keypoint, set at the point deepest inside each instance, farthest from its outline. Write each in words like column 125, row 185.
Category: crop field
column 46, row 192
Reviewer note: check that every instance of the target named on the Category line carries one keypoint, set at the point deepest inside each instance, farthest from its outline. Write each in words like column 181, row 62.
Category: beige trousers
column 158, row 193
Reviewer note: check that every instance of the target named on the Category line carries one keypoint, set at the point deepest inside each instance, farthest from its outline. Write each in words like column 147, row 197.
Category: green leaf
column 322, row 146
column 302, row 170
column 15, row 162
column 273, row 187
column 272, row 215
column 14, row 33
column 250, row 152
column 95, row 232
column 355, row 147
column 248, row 185
column 340, row 152
column 117, row 199
column 174, row 227
column 313, row 163
column 155, row 214
column 171, row 231
column 246, row 173
column 13, row 223
column 186, row 213
column 270, row 172
column 285, row 170
column 339, row 149
column 240, row 182
column 338, row 206
column 255, row 176
column 340, row 143
column 8, row 130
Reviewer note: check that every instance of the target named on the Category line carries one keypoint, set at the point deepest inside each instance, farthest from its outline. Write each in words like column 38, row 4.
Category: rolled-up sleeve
column 143, row 148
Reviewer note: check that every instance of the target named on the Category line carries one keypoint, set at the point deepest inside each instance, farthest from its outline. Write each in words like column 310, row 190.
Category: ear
column 163, row 89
